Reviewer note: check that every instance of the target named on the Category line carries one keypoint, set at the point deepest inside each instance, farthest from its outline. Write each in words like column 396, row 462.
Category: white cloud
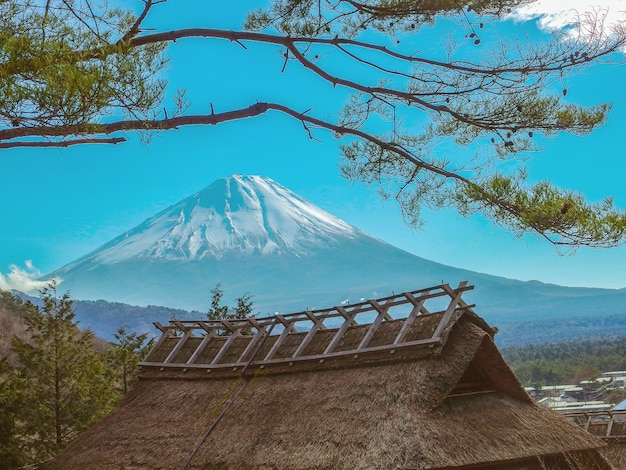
column 24, row 280
column 553, row 15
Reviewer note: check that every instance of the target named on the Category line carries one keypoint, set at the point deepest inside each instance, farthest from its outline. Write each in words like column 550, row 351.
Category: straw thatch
column 456, row 405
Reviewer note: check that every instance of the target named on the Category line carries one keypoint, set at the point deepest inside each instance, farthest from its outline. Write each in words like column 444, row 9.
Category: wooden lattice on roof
column 355, row 333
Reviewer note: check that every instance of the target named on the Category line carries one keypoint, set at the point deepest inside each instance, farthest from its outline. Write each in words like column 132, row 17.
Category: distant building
column 564, row 406
column 555, row 390
column 615, row 373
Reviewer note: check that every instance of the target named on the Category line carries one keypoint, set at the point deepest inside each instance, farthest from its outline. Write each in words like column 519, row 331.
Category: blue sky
column 60, row 204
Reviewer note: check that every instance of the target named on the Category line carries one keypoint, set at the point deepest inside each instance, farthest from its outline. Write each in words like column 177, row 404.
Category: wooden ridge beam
column 318, row 324
column 201, row 347
column 261, row 332
column 456, row 299
column 179, row 345
column 349, row 321
column 418, row 307
column 164, row 336
column 373, row 328
column 391, row 349
column 283, row 336
column 231, row 339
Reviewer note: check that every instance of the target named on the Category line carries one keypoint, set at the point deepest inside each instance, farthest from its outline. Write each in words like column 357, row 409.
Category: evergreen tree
column 128, row 350
column 11, row 402
column 244, row 306
column 217, row 311
column 65, row 379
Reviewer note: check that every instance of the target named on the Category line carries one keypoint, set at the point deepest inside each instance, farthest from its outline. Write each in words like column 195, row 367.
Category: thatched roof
column 449, row 404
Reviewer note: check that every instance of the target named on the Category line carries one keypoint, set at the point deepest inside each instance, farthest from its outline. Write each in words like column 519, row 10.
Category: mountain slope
column 251, row 234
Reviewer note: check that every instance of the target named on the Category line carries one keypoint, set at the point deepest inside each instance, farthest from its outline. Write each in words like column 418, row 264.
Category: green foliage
column 66, row 384
column 128, row 349
column 64, row 66
column 493, row 99
column 244, row 306
column 11, row 402
column 559, row 215
column 217, row 311
column 64, row 379
column 566, row 362
column 14, row 303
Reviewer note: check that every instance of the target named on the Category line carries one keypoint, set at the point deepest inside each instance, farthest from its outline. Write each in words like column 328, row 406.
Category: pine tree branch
column 61, row 143
column 128, row 125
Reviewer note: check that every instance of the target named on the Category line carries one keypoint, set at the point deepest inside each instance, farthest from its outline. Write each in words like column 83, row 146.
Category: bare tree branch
column 134, row 29
column 60, row 143
column 132, row 125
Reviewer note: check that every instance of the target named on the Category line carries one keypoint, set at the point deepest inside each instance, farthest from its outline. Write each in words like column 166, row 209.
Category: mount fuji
column 249, row 234
column 252, row 235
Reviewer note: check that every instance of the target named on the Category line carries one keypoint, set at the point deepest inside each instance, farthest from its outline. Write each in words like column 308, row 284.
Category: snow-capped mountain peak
column 238, row 215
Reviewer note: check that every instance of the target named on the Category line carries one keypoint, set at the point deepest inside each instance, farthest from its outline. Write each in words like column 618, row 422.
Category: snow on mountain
column 240, row 215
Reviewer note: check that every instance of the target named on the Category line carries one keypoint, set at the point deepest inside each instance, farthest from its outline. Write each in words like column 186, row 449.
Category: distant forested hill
column 566, row 362
column 12, row 323
column 104, row 318
column 519, row 330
